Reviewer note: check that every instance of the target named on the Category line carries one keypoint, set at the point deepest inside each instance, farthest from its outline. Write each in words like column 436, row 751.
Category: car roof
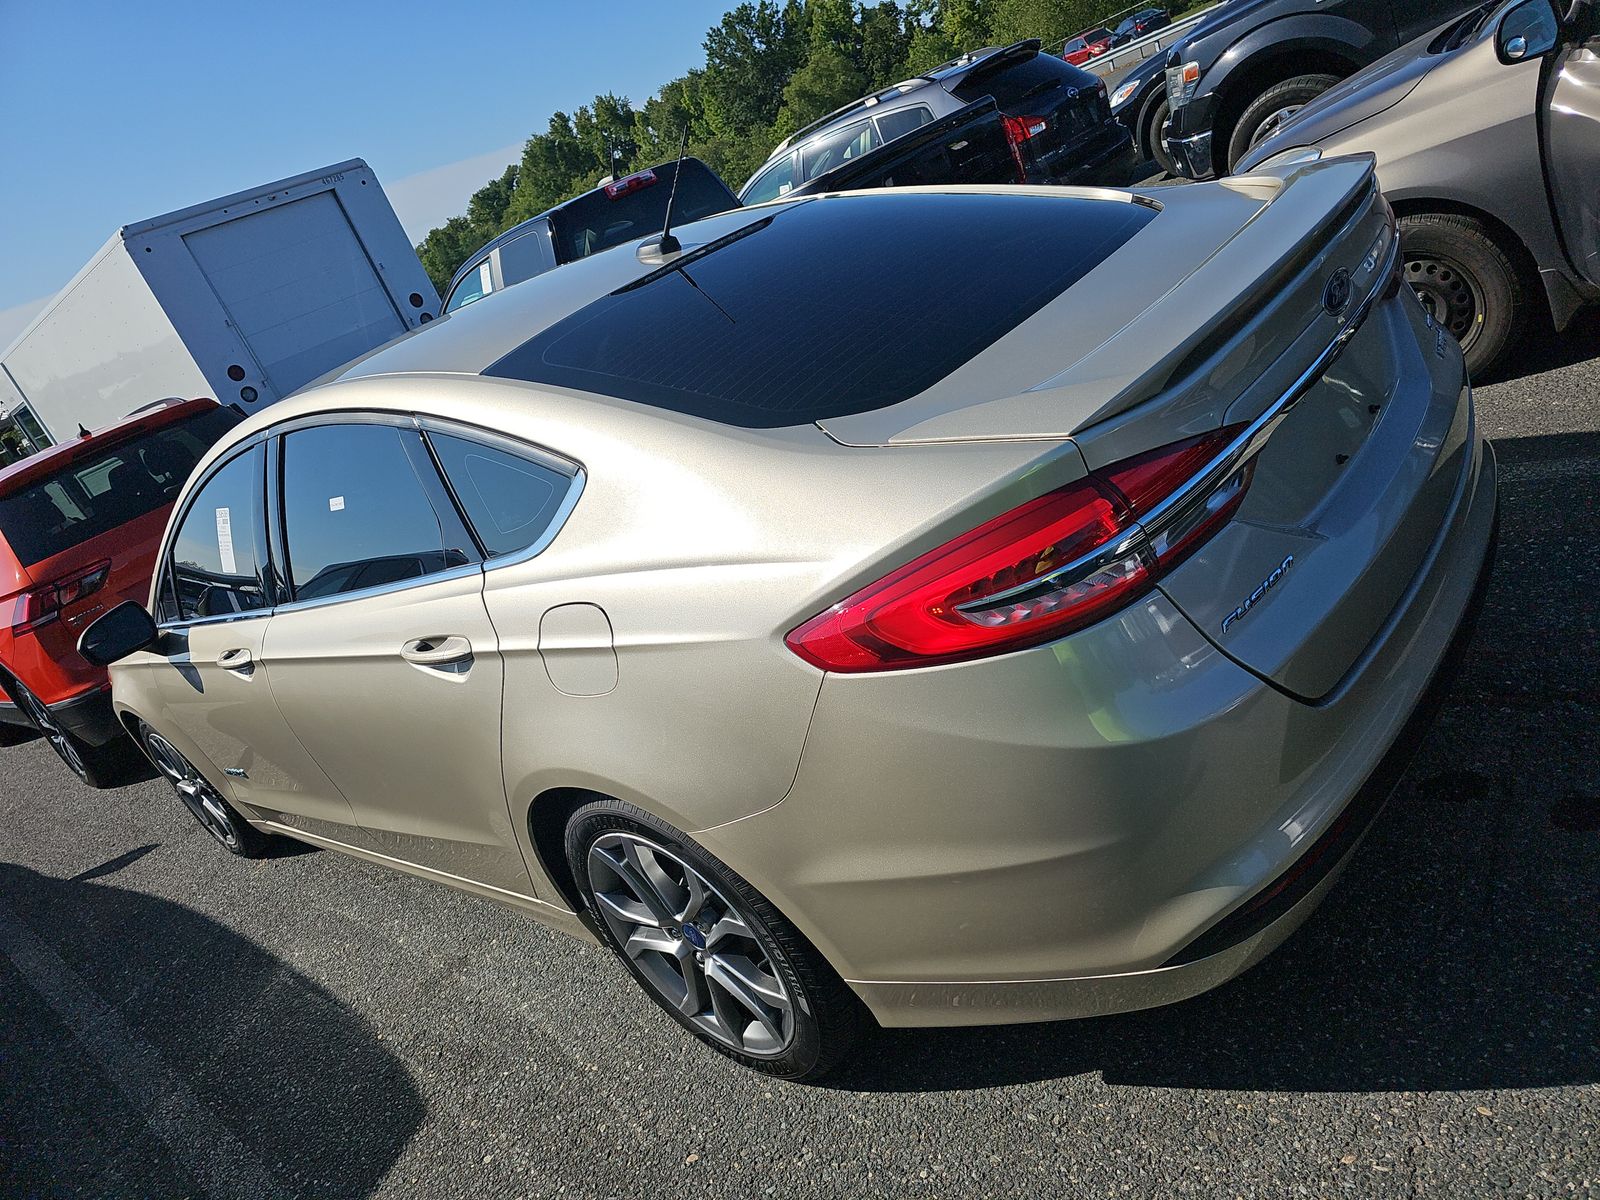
column 47, row 462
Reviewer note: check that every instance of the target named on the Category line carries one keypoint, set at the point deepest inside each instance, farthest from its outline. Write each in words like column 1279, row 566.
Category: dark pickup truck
column 1252, row 64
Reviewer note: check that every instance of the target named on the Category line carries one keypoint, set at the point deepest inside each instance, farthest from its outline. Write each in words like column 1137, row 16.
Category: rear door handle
column 240, row 661
column 437, row 651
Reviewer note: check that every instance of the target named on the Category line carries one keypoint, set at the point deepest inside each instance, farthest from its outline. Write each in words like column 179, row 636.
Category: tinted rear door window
column 526, row 256
column 99, row 492
column 357, row 514
column 906, row 120
column 829, row 307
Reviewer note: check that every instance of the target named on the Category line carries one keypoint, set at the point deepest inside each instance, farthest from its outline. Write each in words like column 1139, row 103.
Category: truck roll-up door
column 298, row 287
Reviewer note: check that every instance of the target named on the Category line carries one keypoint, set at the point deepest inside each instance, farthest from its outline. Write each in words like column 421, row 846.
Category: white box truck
column 243, row 299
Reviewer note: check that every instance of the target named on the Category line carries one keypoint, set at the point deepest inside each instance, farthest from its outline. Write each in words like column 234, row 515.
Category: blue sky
column 112, row 113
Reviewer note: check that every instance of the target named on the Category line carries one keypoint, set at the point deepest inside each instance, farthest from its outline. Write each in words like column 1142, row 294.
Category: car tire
column 98, row 766
column 748, row 984
column 1466, row 281
column 205, row 803
column 1263, row 114
column 1155, row 122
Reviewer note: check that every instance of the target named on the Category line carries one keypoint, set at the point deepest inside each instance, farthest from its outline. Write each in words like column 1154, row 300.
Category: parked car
column 1085, row 46
column 1056, row 117
column 1487, row 137
column 79, row 527
column 618, row 211
column 1250, row 65
column 1139, row 103
column 805, row 646
column 1144, row 22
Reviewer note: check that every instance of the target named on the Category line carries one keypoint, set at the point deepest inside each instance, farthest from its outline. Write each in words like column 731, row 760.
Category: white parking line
column 191, row 1133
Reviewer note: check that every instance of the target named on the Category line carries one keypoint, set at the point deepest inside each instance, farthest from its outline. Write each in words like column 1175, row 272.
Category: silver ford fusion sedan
column 924, row 606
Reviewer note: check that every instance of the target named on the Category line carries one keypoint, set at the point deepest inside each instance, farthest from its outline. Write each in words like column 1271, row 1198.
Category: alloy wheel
column 690, row 944
column 60, row 741
column 198, row 796
column 1273, row 123
column 1450, row 295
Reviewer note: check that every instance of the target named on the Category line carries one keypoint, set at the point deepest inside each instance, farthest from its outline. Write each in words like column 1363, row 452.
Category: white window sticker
column 335, row 503
column 225, row 542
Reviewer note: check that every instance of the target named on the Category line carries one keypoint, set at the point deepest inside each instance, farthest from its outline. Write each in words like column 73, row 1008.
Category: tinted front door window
column 216, row 556
column 357, row 513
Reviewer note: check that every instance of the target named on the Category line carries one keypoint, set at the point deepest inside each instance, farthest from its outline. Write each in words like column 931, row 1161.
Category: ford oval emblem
column 1337, row 293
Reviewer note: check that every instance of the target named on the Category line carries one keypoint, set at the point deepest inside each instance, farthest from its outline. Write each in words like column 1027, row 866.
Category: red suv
column 80, row 524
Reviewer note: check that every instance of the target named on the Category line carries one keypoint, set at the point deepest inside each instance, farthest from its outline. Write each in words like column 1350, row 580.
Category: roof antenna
column 82, row 432
column 667, row 244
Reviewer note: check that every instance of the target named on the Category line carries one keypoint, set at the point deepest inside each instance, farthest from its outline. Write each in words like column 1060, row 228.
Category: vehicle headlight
column 1123, row 94
column 1296, row 156
column 1182, row 82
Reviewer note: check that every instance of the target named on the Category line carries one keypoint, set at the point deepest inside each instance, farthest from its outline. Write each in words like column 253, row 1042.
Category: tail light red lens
column 1043, row 570
column 1020, row 129
column 42, row 605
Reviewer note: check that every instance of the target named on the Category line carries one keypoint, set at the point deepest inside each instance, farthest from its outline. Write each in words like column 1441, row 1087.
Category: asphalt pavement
column 175, row 1022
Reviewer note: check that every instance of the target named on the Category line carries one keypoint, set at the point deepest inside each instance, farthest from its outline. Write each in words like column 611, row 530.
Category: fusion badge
column 1266, row 585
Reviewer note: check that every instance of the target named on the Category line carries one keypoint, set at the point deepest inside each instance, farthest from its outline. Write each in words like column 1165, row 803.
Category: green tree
column 828, row 80
column 750, row 55
column 1051, row 21
column 606, row 133
column 885, row 44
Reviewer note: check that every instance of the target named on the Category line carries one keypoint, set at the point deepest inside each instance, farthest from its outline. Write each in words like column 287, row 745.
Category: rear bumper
column 88, row 717
column 1121, row 820
column 1110, row 164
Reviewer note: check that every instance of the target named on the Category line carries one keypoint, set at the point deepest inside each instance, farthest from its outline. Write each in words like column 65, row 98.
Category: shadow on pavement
column 1458, row 950
column 146, row 1050
column 1542, row 349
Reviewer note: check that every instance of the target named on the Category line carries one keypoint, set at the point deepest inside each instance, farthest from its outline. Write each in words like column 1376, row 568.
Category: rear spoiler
column 978, row 120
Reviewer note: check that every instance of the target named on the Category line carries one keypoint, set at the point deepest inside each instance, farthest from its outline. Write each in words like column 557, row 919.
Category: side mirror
column 1529, row 30
column 125, row 630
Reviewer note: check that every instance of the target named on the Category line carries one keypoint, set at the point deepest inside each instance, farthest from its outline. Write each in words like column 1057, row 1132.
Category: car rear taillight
column 39, row 606
column 1020, row 129
column 1043, row 570
column 630, row 184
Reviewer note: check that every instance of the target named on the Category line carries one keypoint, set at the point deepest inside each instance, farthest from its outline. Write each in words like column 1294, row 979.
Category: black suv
column 1244, row 70
column 1056, row 118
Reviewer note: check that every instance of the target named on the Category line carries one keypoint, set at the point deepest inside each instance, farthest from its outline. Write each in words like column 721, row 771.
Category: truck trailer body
column 243, row 299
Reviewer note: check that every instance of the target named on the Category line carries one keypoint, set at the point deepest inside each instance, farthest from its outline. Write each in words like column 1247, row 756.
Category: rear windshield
column 596, row 222
column 831, row 307
column 1019, row 81
column 95, row 494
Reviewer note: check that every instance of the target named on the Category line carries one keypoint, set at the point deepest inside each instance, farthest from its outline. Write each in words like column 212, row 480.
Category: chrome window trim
column 1181, row 504
column 382, row 589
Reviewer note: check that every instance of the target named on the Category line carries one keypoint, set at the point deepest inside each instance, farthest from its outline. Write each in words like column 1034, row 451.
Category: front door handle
column 239, row 661
column 436, row 651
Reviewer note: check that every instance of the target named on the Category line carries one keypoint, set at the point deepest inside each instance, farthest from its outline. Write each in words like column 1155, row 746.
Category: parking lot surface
column 176, row 1022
